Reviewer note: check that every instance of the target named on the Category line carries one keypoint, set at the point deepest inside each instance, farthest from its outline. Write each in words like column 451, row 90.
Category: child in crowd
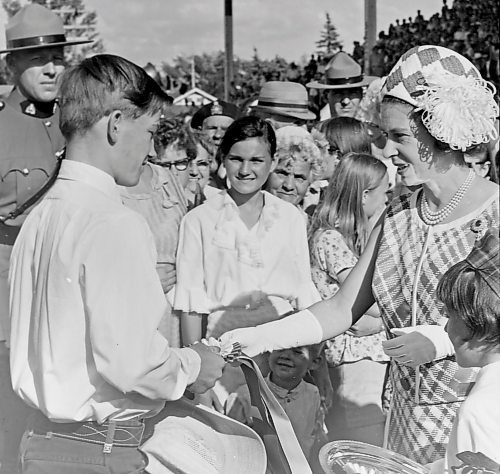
column 353, row 201
column 243, row 257
column 299, row 399
column 470, row 291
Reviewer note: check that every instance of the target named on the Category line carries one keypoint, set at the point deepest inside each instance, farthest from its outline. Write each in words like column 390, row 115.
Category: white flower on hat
column 458, row 110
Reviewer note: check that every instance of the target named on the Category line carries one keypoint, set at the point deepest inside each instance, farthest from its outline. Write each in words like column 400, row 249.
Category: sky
column 159, row 30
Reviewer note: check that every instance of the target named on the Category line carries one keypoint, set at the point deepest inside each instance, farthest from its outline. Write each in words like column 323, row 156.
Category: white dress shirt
column 85, row 305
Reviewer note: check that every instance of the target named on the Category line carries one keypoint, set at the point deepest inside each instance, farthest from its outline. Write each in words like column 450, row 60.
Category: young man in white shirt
column 86, row 301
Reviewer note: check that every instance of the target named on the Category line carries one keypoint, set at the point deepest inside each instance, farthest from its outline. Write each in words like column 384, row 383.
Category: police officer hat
column 342, row 72
column 219, row 107
column 35, row 27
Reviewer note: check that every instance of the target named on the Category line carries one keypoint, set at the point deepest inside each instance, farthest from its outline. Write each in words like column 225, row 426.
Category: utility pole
column 370, row 31
column 228, row 41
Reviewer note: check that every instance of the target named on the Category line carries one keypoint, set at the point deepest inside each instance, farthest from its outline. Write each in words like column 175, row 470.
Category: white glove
column 418, row 345
column 298, row 329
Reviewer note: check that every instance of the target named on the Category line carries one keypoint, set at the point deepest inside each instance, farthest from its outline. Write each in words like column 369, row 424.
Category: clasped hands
column 418, row 345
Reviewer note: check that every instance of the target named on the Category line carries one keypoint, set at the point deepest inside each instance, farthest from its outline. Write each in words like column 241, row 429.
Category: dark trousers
column 13, row 416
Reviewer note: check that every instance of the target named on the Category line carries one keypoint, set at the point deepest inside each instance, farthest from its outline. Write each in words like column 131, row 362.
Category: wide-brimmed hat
column 33, row 27
column 193, row 439
column 342, row 72
column 285, row 98
column 218, row 107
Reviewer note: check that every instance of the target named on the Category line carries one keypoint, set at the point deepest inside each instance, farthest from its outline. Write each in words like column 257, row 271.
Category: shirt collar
column 489, row 374
column 31, row 108
column 91, row 176
column 281, row 392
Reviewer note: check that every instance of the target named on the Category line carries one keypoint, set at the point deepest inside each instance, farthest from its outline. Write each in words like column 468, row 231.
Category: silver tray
column 355, row 457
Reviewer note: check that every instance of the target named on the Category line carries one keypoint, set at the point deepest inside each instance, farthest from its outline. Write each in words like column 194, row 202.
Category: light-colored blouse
column 221, row 263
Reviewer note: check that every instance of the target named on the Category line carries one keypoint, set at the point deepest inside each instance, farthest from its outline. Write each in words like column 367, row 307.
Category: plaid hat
column 218, row 107
column 458, row 106
column 485, row 259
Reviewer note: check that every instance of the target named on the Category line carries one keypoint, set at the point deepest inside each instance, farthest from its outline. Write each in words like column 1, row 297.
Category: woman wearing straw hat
column 436, row 106
column 29, row 141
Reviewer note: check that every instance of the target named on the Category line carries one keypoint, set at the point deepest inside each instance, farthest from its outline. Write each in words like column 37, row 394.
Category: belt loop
column 110, row 435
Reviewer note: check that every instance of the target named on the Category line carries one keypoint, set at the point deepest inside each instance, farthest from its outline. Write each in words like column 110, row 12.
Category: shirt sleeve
column 333, row 253
column 306, row 293
column 475, row 434
column 190, row 290
column 125, row 303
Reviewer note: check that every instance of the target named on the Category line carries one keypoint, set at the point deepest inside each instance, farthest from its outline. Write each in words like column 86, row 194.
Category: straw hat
column 193, row 439
column 35, row 27
column 285, row 98
column 342, row 72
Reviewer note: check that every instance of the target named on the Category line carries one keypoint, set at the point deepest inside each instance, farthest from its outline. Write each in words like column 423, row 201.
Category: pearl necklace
column 433, row 218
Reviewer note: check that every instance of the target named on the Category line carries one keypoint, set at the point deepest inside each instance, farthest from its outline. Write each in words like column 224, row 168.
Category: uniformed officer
column 30, row 141
column 212, row 121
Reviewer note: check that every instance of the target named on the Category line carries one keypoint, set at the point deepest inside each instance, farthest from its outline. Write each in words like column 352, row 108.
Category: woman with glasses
column 181, row 151
column 161, row 199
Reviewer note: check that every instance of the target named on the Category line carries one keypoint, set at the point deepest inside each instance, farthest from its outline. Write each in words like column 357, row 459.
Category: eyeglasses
column 180, row 165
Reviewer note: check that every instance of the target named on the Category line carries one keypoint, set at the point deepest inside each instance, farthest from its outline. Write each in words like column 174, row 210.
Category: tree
column 328, row 44
column 78, row 22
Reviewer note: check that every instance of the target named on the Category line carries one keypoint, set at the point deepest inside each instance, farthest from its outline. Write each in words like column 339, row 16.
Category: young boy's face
column 468, row 352
column 290, row 365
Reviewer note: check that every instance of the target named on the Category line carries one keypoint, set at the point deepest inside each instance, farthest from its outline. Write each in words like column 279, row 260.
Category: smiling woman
column 299, row 162
column 431, row 122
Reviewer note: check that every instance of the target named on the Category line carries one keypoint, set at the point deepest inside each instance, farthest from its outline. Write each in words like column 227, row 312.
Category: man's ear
column 11, row 64
column 115, row 119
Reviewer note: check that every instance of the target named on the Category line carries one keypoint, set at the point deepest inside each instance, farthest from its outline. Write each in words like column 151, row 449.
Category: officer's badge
column 216, row 109
column 30, row 109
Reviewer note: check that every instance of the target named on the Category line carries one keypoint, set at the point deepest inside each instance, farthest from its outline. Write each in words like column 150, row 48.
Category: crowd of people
column 354, row 256
column 470, row 28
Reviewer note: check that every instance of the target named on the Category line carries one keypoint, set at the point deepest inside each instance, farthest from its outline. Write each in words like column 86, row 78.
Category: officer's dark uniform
column 29, row 140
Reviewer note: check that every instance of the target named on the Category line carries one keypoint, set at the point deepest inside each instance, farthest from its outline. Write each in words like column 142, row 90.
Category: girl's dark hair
column 244, row 128
column 464, row 292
